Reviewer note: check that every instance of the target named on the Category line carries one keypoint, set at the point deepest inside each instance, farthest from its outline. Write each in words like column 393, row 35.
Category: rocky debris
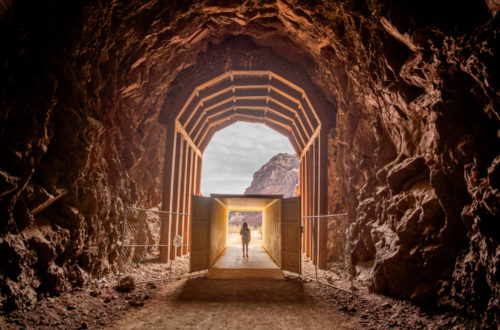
column 126, row 284
column 83, row 309
column 91, row 307
column 377, row 311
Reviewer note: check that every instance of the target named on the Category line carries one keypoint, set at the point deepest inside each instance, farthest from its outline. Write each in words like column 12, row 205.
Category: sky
column 235, row 153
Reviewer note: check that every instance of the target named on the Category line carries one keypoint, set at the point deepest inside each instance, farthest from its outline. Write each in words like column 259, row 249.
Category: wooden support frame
column 251, row 96
column 175, row 193
column 168, row 192
column 182, row 201
column 323, row 198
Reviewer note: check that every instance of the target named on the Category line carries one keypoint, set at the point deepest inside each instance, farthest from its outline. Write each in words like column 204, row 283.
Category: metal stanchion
column 349, row 253
column 120, row 261
column 171, row 244
column 315, row 249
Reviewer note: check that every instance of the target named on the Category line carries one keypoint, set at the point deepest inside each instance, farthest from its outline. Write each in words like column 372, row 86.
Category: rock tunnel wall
column 414, row 154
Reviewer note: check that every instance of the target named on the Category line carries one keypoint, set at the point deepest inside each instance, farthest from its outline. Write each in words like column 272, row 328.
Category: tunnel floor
column 231, row 264
column 237, row 304
column 200, row 303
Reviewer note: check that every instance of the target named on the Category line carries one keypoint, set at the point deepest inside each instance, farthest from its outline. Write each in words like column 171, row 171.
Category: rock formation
column 279, row 176
column 415, row 154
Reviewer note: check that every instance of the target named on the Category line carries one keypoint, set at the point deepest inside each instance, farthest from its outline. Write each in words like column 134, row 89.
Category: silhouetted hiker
column 245, row 238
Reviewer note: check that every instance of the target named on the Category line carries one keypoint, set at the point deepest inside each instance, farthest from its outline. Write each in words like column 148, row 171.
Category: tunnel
column 256, row 96
column 392, row 108
column 281, row 236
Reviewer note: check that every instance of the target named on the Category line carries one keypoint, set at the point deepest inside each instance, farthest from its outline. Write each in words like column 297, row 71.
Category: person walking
column 245, row 238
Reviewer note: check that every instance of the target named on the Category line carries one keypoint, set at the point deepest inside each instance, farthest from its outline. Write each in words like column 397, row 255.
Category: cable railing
column 141, row 236
column 141, row 241
column 347, row 249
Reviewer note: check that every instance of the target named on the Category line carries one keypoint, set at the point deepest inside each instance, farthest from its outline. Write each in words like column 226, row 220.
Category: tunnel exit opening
column 236, row 219
column 280, row 247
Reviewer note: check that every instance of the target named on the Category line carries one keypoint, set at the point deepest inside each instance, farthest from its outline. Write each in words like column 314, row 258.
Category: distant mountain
column 279, row 176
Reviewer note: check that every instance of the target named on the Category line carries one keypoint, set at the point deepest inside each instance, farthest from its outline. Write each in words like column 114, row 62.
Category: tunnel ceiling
column 408, row 92
column 251, row 96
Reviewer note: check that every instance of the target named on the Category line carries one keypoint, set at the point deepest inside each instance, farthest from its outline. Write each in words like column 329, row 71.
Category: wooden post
column 309, row 200
column 301, row 188
column 306, row 198
column 187, row 208
column 167, row 192
column 175, row 192
column 182, row 196
column 198, row 175
column 317, row 194
column 323, row 200
column 314, row 237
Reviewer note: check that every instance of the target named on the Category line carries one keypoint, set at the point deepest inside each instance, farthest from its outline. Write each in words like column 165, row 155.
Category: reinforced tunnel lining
column 257, row 96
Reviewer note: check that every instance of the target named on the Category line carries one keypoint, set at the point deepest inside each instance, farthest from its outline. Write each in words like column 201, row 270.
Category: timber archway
column 255, row 96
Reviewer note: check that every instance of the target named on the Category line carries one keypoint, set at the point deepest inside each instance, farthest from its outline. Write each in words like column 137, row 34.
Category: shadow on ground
column 242, row 290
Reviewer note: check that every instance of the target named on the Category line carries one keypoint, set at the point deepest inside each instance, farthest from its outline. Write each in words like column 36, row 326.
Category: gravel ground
column 99, row 305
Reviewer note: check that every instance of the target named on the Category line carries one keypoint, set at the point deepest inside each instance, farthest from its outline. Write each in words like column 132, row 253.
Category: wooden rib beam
column 180, row 129
column 249, row 86
column 272, row 113
column 224, row 106
column 201, row 141
column 181, row 203
column 187, row 196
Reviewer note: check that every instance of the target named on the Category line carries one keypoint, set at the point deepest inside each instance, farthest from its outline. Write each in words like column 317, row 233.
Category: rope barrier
column 157, row 211
column 326, row 216
column 124, row 245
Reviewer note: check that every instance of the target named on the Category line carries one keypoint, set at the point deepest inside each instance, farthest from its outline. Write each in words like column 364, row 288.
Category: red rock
column 405, row 173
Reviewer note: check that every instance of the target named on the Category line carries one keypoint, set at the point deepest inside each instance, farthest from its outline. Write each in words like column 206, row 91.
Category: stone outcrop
column 413, row 87
column 279, row 176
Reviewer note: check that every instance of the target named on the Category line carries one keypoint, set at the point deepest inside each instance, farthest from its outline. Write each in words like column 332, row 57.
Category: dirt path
column 237, row 304
column 202, row 303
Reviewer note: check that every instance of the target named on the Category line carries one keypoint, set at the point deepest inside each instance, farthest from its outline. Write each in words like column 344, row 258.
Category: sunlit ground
column 234, row 237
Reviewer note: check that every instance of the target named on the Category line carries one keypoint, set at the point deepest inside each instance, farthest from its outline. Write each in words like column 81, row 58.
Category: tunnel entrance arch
column 257, row 97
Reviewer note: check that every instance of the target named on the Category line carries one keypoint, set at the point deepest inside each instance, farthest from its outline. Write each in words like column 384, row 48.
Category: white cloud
column 235, row 153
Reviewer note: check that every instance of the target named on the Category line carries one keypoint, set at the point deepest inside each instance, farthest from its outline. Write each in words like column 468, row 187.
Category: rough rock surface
column 279, row 176
column 413, row 86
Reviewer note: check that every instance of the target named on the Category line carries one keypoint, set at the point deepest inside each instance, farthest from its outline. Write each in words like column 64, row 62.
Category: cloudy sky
column 235, row 153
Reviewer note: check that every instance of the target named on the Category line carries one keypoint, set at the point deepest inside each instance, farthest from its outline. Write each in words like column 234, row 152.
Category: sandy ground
column 199, row 303
column 237, row 304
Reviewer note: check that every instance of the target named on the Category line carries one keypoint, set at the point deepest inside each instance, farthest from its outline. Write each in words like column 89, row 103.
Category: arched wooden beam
column 217, row 87
column 271, row 105
column 213, row 127
column 288, row 106
column 246, row 115
column 231, row 121
column 209, row 133
column 290, row 137
column 269, row 112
